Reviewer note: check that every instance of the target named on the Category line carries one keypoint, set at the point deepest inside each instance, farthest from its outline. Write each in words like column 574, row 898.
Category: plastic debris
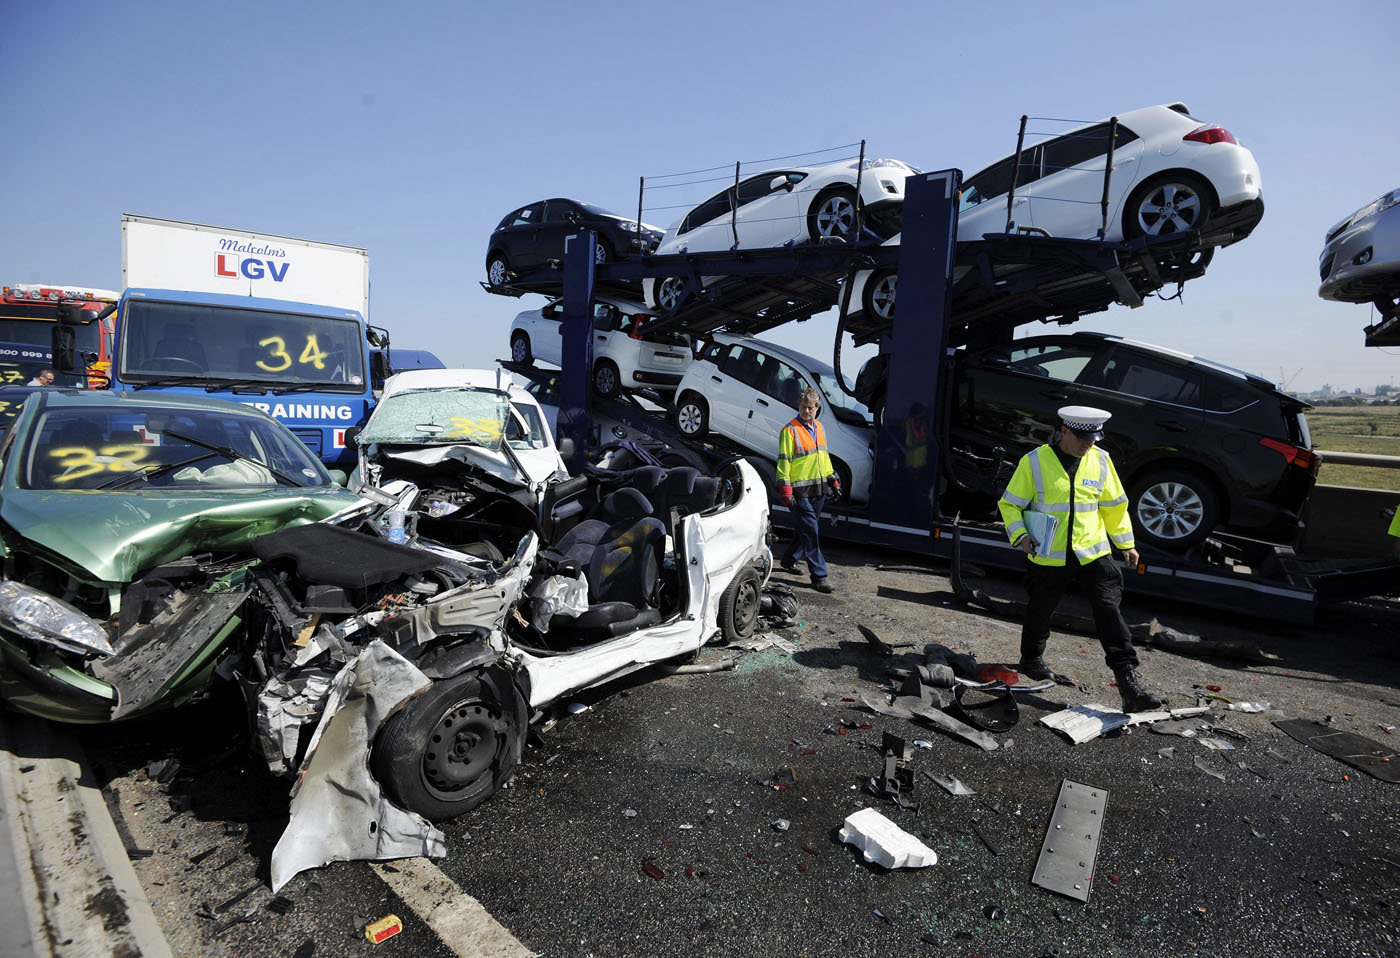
column 378, row 932
column 948, row 783
column 651, row 870
column 629, row 813
column 1082, row 723
column 922, row 743
column 993, row 913
column 1250, row 706
column 780, row 824
column 881, row 648
column 884, row 842
column 977, row 830
column 882, row 916
column 576, row 708
column 1168, row 752
column 1219, row 744
column 1205, row 767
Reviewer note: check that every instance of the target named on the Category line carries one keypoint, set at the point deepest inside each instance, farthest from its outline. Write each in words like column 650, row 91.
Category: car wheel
column 669, row 294
column 739, row 605
column 520, row 349
column 454, row 746
column 879, row 296
column 606, row 379
column 877, row 411
column 1169, row 204
column 843, row 475
column 497, row 268
column 692, row 416
column 833, row 215
column 601, row 253
column 1173, row 509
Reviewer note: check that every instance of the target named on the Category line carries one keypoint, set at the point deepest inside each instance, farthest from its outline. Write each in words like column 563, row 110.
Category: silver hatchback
column 1360, row 262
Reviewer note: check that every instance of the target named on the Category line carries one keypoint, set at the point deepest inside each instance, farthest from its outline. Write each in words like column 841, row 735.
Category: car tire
column 602, row 252
column 453, row 747
column 877, row 411
column 739, row 605
column 878, row 298
column 497, row 268
column 1173, row 509
column 843, row 475
column 833, row 215
column 607, row 381
column 520, row 349
column 1171, row 203
column 670, row 294
column 692, row 416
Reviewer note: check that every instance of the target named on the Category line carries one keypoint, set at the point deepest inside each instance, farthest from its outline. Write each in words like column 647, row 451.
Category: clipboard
column 1041, row 527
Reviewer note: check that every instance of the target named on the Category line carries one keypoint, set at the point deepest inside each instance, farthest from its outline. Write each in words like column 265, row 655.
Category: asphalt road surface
column 661, row 819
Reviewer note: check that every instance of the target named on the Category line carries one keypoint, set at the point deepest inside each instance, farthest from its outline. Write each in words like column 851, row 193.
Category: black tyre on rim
column 1172, row 203
column 833, row 215
column 669, row 294
column 520, row 349
column 692, row 416
column 878, row 298
column 1173, row 509
column 601, row 252
column 607, row 381
column 454, row 746
column 497, row 269
column 739, row 605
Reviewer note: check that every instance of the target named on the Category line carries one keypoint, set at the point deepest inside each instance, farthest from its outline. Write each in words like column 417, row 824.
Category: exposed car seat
column 621, row 561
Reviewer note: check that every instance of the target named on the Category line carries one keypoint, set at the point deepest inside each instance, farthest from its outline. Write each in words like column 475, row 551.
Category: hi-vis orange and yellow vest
column 1099, row 504
column 803, row 462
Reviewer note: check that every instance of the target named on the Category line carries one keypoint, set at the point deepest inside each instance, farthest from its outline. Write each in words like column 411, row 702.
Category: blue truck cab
column 303, row 364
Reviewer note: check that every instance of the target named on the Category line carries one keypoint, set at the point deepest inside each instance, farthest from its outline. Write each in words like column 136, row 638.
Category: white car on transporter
column 626, row 355
column 746, row 390
column 782, row 207
column 1171, row 172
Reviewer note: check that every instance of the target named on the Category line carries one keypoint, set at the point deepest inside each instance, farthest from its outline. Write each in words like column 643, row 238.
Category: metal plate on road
column 1066, row 863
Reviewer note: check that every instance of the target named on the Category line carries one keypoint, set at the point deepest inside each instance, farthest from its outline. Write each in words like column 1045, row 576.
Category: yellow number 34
column 276, row 346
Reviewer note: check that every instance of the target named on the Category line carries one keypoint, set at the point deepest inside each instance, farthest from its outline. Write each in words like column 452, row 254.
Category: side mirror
column 377, row 336
column 339, row 477
column 566, row 448
column 352, row 436
column 379, row 369
column 63, row 343
column 780, row 183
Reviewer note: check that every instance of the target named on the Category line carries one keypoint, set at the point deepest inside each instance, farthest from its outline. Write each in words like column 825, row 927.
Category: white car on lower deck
column 746, row 390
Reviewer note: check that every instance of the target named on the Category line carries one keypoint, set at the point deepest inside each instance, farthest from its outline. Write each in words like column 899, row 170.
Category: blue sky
column 410, row 129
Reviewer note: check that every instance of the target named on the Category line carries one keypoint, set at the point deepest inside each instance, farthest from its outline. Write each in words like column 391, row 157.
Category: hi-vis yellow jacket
column 1395, row 524
column 1099, row 504
column 803, row 462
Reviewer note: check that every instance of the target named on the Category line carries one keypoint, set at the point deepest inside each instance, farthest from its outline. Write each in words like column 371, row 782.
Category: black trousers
column 1102, row 581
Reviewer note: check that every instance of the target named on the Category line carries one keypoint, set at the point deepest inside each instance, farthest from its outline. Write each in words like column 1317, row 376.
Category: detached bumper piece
column 1066, row 863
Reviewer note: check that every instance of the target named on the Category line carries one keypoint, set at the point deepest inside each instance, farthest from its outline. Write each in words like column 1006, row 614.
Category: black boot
column 1034, row 667
column 1135, row 697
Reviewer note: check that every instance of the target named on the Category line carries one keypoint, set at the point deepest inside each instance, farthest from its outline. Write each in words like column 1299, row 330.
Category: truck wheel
column 520, row 349
column 692, row 416
column 606, row 379
column 454, row 746
column 1173, row 509
column 843, row 475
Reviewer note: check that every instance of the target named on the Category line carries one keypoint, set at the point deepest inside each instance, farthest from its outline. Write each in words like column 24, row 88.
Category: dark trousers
column 1102, row 581
column 804, row 544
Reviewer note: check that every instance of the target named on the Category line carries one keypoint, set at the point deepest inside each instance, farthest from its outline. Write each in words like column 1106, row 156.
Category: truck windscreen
column 182, row 340
column 26, row 343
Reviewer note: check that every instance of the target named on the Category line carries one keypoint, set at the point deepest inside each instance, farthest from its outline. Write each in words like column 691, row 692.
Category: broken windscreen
column 474, row 416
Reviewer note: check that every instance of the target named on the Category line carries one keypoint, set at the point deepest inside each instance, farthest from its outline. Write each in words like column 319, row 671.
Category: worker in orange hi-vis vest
column 804, row 475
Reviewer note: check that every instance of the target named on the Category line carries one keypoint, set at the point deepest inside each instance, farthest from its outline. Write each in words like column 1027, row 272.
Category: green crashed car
column 125, row 524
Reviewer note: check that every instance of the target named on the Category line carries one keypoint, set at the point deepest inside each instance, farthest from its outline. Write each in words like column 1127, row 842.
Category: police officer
column 1075, row 482
column 804, row 473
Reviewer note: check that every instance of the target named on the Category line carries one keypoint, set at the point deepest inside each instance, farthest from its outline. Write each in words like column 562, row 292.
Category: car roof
column 782, row 352
column 1168, row 352
column 83, row 398
column 1132, row 119
column 456, row 379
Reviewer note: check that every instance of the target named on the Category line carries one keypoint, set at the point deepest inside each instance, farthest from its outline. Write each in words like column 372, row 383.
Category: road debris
column 1066, row 863
column 949, row 784
column 378, row 932
column 885, row 843
column 1355, row 750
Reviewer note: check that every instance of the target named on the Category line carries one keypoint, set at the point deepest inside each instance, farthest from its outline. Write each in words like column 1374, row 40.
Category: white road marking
column 455, row 917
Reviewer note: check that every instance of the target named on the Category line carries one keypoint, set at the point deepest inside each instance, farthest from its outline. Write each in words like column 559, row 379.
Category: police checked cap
column 1086, row 422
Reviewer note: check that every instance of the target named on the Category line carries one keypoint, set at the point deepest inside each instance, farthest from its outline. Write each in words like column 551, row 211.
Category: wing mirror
column 780, row 183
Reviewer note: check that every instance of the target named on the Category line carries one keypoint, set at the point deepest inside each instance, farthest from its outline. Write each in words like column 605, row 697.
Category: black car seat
column 621, row 561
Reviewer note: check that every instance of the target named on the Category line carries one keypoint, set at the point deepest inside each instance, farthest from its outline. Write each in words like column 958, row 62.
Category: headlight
column 39, row 616
column 627, row 226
